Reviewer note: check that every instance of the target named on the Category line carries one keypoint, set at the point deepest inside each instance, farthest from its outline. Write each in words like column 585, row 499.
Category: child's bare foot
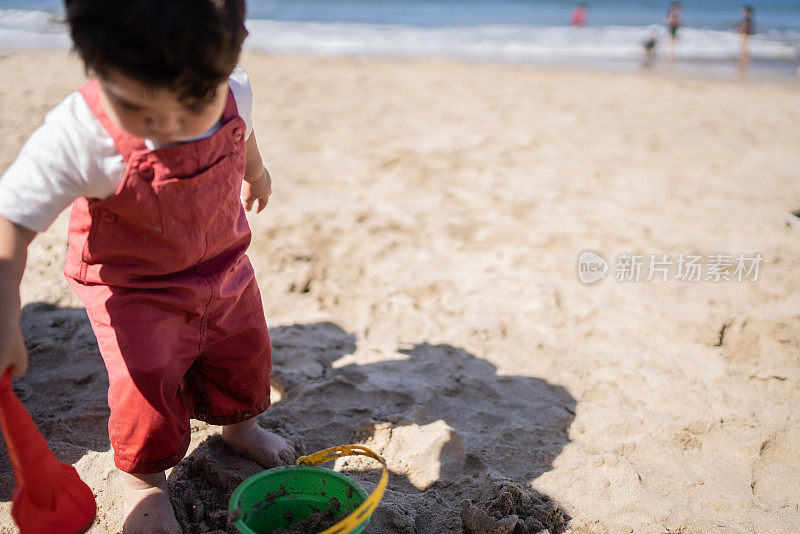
column 146, row 506
column 249, row 439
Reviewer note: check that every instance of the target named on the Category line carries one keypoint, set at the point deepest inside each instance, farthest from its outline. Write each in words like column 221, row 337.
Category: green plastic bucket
column 284, row 496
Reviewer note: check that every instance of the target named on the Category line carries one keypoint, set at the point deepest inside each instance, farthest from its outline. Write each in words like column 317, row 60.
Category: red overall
column 170, row 293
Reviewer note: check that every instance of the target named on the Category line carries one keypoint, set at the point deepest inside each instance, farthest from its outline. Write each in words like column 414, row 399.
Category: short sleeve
column 69, row 156
column 239, row 83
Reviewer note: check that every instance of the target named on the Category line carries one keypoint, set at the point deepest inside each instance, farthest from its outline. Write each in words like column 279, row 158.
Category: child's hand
column 14, row 241
column 12, row 348
column 257, row 190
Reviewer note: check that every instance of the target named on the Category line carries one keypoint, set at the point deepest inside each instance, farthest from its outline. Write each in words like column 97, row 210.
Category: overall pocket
column 201, row 211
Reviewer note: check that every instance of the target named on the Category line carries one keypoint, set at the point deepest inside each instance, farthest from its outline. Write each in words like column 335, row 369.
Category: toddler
column 158, row 158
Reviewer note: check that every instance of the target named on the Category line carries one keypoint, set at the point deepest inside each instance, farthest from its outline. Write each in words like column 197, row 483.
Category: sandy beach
column 417, row 263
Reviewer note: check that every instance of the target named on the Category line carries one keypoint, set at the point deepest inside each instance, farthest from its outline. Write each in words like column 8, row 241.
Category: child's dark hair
column 188, row 46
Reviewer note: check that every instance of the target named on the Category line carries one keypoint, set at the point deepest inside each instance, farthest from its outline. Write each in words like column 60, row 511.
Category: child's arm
column 257, row 182
column 14, row 241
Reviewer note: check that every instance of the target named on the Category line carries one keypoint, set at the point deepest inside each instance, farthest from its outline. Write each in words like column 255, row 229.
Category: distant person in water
column 578, row 17
column 673, row 21
column 745, row 29
column 649, row 46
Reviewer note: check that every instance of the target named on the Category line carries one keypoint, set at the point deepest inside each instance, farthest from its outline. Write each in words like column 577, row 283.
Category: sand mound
column 513, row 509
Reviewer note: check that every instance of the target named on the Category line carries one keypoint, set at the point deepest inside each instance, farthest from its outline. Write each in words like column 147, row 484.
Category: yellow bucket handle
column 357, row 516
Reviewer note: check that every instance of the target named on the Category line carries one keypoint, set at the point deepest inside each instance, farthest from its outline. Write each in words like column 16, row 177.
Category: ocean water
column 518, row 31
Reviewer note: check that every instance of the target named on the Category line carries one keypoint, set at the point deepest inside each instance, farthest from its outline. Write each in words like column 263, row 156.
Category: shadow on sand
column 450, row 426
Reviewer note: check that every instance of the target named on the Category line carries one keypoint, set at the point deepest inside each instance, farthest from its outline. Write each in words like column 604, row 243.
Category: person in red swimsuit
column 673, row 20
column 161, row 263
column 578, row 17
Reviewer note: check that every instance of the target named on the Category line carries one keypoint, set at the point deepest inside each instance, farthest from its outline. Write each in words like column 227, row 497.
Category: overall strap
column 230, row 110
column 126, row 143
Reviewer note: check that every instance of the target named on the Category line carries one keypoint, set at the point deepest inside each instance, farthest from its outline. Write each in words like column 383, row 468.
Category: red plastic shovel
column 50, row 496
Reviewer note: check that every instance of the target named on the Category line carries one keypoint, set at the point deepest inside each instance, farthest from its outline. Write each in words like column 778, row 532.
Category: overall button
column 108, row 216
column 238, row 135
column 146, row 172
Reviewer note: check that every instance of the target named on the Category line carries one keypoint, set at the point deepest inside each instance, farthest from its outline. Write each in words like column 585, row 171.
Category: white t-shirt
column 71, row 155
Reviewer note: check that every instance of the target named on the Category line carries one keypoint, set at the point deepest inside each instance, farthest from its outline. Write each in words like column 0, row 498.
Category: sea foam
column 491, row 42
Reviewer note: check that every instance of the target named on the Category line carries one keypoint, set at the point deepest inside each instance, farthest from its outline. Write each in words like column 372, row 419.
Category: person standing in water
column 649, row 46
column 745, row 29
column 578, row 17
column 673, row 21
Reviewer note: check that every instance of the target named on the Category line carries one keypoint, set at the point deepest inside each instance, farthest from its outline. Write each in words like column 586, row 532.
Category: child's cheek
column 132, row 122
column 119, row 117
